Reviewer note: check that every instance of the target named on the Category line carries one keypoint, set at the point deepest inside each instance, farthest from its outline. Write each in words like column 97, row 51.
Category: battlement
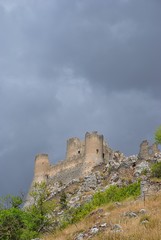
column 75, row 148
column 40, row 156
column 42, row 166
column 81, row 157
column 147, row 151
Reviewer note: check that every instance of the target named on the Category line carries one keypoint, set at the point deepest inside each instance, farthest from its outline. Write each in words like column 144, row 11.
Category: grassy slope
column 112, row 214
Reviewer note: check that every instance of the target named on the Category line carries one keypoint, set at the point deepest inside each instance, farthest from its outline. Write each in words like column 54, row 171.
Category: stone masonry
column 81, row 158
column 88, row 161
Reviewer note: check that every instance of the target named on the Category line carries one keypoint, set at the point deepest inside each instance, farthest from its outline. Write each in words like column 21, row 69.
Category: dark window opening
column 97, row 150
column 103, row 155
column 134, row 164
column 78, row 152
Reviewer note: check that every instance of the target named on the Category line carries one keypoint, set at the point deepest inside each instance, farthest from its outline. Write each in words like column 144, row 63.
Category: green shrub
column 156, row 170
column 145, row 217
column 25, row 224
column 112, row 194
column 14, row 224
column 158, row 135
column 63, row 200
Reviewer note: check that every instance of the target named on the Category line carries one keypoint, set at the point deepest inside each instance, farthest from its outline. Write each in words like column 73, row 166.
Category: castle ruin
column 81, row 158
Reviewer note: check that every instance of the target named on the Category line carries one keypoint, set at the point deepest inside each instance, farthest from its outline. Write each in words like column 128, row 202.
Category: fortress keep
column 81, row 158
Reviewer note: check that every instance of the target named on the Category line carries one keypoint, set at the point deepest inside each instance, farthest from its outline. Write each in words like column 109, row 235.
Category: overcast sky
column 72, row 66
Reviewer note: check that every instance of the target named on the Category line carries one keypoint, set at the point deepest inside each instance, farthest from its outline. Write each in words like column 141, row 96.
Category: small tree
column 25, row 224
column 10, row 201
column 14, row 222
column 63, row 200
column 156, row 170
column 42, row 207
column 158, row 135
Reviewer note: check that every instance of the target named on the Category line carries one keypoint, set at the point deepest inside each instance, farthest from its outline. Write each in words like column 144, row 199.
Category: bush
column 25, row 224
column 63, row 200
column 112, row 194
column 158, row 135
column 14, row 224
column 156, row 170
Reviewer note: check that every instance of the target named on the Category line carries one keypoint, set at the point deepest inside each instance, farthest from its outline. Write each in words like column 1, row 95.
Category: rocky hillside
column 120, row 171
column 129, row 220
column 112, row 218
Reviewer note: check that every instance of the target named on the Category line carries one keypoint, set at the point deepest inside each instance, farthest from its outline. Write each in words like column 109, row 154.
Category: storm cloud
column 67, row 67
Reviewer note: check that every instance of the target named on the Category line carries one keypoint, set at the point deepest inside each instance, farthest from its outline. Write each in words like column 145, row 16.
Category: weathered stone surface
column 114, row 178
column 141, row 167
column 142, row 211
column 103, row 225
column 80, row 237
column 90, row 182
column 145, row 222
column 130, row 214
column 117, row 228
column 94, row 230
column 147, row 152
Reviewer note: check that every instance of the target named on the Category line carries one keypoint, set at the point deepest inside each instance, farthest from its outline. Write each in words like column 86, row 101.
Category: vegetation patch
column 112, row 194
column 156, row 170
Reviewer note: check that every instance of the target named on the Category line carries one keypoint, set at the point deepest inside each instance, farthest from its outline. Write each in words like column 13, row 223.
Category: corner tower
column 93, row 150
column 41, row 167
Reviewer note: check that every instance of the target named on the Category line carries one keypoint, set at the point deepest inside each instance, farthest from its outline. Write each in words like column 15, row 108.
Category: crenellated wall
column 81, row 158
column 42, row 167
column 75, row 148
column 147, row 151
column 93, row 150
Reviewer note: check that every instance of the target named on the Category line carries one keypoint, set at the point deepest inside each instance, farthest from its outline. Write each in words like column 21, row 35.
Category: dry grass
column 133, row 229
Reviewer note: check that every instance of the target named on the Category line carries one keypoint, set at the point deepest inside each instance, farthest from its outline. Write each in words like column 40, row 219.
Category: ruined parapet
column 93, row 150
column 107, row 152
column 74, row 148
column 146, row 151
column 42, row 167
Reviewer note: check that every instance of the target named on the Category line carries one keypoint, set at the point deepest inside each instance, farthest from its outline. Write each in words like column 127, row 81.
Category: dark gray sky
column 67, row 67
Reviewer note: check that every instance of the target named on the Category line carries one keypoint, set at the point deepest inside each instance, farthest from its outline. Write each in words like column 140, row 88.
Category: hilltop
column 96, row 192
column 90, row 189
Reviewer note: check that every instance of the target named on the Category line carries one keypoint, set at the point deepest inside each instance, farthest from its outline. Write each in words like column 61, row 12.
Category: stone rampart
column 67, row 174
column 64, row 166
column 81, row 158
column 146, row 151
column 75, row 148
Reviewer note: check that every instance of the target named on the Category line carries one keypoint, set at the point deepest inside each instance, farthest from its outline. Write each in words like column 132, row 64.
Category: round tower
column 144, row 150
column 41, row 167
column 73, row 148
column 93, row 150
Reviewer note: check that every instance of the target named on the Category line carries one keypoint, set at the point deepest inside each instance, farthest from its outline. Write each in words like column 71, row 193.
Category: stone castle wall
column 81, row 158
column 75, row 148
column 146, row 151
